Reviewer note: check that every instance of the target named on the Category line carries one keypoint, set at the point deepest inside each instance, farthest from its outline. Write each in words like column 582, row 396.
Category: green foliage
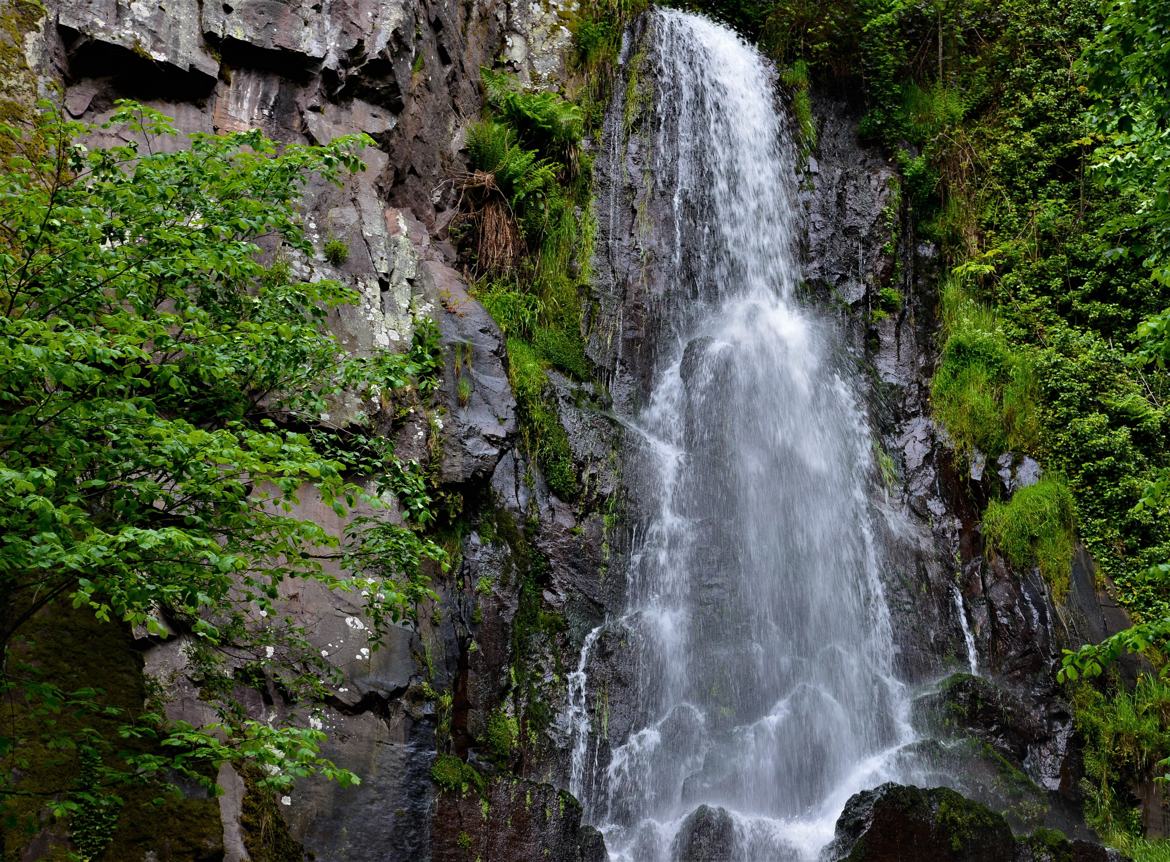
column 530, row 148
column 1139, row 849
column 424, row 359
column 154, row 368
column 1036, row 527
column 92, row 825
column 796, row 78
column 336, row 251
column 544, row 120
column 521, row 175
column 457, row 776
column 983, row 390
column 1127, row 741
column 503, row 734
column 516, row 312
column 1126, row 67
column 543, row 434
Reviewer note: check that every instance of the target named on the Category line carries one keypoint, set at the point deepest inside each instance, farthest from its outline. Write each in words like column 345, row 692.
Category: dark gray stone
column 707, row 835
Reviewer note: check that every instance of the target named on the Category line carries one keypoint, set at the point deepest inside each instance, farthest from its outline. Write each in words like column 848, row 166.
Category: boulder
column 896, row 823
column 707, row 835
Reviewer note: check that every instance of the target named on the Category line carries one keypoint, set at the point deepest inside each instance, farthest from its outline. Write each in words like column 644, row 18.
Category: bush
column 1126, row 737
column 336, row 251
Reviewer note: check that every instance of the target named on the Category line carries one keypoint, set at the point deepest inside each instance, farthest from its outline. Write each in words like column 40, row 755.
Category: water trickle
column 577, row 716
column 756, row 614
column 968, row 636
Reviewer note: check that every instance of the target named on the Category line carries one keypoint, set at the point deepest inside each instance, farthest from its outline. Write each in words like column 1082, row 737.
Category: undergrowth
column 1126, row 738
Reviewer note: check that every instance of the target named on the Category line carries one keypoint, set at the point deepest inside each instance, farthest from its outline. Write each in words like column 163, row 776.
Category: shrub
column 336, row 251
column 1126, row 738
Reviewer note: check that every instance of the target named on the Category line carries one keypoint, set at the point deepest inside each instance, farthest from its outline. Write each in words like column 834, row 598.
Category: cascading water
column 761, row 633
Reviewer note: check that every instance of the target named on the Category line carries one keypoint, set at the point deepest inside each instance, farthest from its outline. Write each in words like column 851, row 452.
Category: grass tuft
column 1036, row 527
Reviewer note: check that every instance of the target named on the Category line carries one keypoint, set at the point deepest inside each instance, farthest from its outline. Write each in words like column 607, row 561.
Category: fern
column 521, row 176
column 544, row 120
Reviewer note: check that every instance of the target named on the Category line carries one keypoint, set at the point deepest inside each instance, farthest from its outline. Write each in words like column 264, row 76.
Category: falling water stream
column 756, row 614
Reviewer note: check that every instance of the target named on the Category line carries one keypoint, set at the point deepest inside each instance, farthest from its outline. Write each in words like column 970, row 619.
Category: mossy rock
column 911, row 824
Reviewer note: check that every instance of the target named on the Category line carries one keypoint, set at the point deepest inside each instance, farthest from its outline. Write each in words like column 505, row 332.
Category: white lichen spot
column 286, row 800
column 355, row 624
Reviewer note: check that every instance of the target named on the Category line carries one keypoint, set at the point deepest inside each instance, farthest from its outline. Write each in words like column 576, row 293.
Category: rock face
column 894, row 823
column 531, row 578
column 517, row 820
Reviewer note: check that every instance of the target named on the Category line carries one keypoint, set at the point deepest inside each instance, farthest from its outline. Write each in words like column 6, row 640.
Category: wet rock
column 387, row 816
column 965, row 704
column 481, row 410
column 516, row 819
column 707, row 835
column 896, row 823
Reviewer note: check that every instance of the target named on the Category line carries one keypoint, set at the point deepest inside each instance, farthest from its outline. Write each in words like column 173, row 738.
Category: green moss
column 637, row 95
column 456, row 776
column 1049, row 845
column 129, row 820
column 963, row 820
column 1036, row 527
column 18, row 84
column 543, row 434
column 266, row 835
column 503, row 734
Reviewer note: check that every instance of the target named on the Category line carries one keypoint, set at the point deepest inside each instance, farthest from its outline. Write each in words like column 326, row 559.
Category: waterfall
column 756, row 615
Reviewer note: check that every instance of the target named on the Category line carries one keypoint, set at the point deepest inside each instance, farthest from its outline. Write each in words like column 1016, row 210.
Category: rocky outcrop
column 895, row 823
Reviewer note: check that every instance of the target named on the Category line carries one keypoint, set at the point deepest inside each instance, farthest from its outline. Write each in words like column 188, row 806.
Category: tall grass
column 984, row 391
column 1036, row 527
